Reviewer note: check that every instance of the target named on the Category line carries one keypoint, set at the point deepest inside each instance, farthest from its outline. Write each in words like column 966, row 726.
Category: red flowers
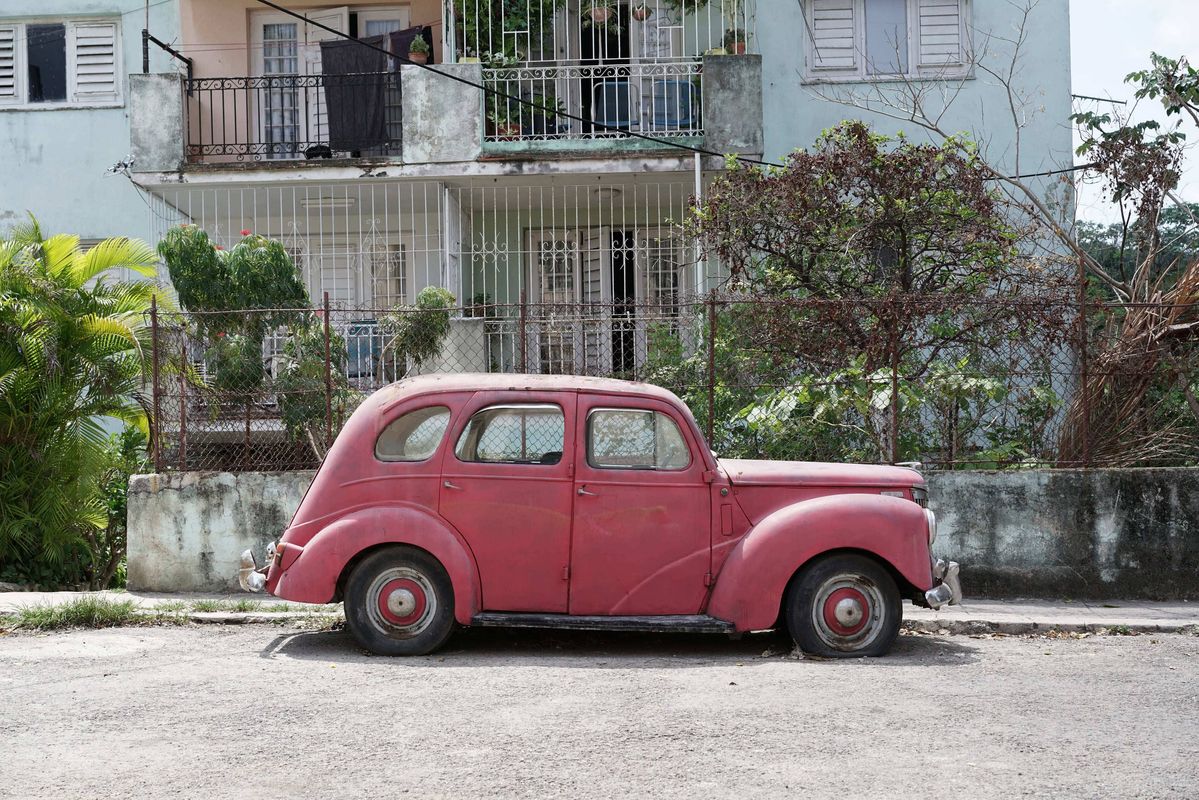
column 218, row 247
column 245, row 233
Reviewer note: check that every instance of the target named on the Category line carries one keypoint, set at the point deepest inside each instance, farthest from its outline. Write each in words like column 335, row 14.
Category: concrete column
column 733, row 104
column 443, row 119
column 156, row 130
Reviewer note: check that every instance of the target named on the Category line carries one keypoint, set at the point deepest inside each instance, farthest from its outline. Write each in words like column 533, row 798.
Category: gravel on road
column 273, row 711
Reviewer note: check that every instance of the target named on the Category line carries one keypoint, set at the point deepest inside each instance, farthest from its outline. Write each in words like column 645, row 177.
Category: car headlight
column 932, row 525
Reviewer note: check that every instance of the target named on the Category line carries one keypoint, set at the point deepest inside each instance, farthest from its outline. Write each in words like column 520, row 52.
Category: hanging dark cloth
column 355, row 81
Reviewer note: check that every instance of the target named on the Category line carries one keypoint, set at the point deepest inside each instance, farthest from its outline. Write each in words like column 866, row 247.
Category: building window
column 64, row 63
column 864, row 40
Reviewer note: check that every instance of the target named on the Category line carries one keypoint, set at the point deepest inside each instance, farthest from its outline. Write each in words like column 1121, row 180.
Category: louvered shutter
column 8, row 65
column 940, row 32
column 95, row 46
column 832, row 33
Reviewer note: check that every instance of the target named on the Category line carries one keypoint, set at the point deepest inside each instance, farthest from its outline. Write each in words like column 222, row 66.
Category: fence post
column 711, row 366
column 1084, row 364
column 183, row 400
column 155, row 424
column 524, row 313
column 894, row 396
column 328, row 381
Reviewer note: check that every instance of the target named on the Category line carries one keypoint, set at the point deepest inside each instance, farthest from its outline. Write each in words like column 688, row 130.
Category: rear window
column 413, row 436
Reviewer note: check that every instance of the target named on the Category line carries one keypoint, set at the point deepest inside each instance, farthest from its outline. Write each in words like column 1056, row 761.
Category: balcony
column 587, row 72
column 584, row 87
column 292, row 117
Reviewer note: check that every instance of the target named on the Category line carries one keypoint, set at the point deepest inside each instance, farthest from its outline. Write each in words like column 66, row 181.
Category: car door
column 640, row 543
column 507, row 488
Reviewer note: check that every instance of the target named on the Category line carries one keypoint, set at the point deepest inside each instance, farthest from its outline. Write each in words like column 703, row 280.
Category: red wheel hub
column 402, row 601
column 846, row 611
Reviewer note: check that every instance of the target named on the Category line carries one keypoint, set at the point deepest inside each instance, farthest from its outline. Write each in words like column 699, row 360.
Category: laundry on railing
column 355, row 79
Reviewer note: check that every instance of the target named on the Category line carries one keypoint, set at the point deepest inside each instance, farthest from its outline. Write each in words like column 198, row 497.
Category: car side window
column 628, row 438
column 514, row 434
column 413, row 436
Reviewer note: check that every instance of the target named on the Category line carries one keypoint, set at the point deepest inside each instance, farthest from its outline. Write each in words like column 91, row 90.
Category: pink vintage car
column 585, row 503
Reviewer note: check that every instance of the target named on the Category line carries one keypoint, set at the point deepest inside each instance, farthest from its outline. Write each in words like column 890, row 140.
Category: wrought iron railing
column 577, row 101
column 291, row 117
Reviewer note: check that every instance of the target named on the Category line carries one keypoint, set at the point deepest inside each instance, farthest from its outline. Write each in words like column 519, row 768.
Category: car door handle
column 449, row 485
column 583, row 491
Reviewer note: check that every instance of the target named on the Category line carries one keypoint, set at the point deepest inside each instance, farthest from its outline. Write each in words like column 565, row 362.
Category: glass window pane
column 531, row 434
column 886, row 37
column 635, row 439
column 414, row 436
column 46, row 50
column 379, row 27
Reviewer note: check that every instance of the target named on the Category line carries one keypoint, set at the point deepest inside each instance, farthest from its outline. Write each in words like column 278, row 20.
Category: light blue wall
column 795, row 113
column 55, row 160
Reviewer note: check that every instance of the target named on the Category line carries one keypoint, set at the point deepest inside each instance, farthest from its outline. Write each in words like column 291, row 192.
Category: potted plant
column 601, row 13
column 418, row 51
column 641, row 12
column 735, row 40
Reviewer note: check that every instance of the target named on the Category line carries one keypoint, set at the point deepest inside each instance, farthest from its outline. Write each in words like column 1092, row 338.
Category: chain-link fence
column 950, row 383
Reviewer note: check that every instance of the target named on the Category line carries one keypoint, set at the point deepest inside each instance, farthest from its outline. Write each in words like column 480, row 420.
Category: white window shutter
column 940, row 32
column 96, row 69
column 8, row 65
column 833, row 34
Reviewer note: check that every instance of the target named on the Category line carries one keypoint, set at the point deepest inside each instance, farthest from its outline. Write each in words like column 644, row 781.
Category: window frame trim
column 20, row 59
column 813, row 76
column 625, row 409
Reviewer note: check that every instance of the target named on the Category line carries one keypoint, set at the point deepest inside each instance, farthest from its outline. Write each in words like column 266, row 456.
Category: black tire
column 844, row 606
column 399, row 602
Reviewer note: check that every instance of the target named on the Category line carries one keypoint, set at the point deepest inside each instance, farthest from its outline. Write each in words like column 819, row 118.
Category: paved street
column 272, row 711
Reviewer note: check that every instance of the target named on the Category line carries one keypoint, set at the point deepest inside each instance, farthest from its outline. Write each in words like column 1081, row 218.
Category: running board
column 677, row 623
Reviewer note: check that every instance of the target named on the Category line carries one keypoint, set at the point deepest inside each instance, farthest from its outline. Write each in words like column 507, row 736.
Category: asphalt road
column 264, row 711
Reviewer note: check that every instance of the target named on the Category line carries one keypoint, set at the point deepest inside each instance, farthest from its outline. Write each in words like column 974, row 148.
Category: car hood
column 750, row 472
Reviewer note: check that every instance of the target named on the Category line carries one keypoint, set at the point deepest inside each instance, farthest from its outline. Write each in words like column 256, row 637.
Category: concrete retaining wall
column 1060, row 534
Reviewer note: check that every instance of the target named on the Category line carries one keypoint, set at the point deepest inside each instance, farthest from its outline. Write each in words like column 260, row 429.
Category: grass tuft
column 89, row 611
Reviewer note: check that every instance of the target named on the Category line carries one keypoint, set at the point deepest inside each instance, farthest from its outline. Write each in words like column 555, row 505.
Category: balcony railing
column 290, row 117
column 594, row 101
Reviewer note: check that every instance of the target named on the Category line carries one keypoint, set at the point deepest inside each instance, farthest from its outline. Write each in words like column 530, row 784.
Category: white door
column 291, row 103
column 277, row 40
column 553, row 291
column 662, row 280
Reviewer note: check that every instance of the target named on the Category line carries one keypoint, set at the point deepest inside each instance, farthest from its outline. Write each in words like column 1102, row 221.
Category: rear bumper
column 947, row 586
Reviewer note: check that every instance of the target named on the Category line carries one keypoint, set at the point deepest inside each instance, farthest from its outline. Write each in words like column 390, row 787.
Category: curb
column 257, row 618
column 968, row 627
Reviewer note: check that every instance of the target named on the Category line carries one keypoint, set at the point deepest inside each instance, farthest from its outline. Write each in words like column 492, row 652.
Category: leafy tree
column 300, row 383
column 73, row 339
column 237, row 297
column 880, row 256
column 418, row 331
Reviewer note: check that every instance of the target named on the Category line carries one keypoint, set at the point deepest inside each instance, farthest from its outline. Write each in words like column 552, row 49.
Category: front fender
column 749, row 589
column 312, row 577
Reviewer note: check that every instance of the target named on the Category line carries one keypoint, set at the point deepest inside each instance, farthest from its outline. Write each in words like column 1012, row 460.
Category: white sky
column 1108, row 40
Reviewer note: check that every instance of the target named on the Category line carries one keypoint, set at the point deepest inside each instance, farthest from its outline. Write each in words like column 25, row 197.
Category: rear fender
column 312, row 577
column 749, row 589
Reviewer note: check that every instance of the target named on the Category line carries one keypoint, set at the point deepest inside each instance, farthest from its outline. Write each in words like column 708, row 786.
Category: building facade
column 557, row 197
column 64, row 111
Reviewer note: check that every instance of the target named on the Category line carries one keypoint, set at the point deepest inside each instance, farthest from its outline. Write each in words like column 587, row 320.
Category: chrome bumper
column 948, row 587
column 251, row 576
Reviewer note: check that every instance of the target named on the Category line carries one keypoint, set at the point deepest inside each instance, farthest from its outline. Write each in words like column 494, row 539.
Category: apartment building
column 382, row 177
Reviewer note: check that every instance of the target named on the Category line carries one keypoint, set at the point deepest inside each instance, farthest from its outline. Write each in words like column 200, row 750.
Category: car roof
column 499, row 381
